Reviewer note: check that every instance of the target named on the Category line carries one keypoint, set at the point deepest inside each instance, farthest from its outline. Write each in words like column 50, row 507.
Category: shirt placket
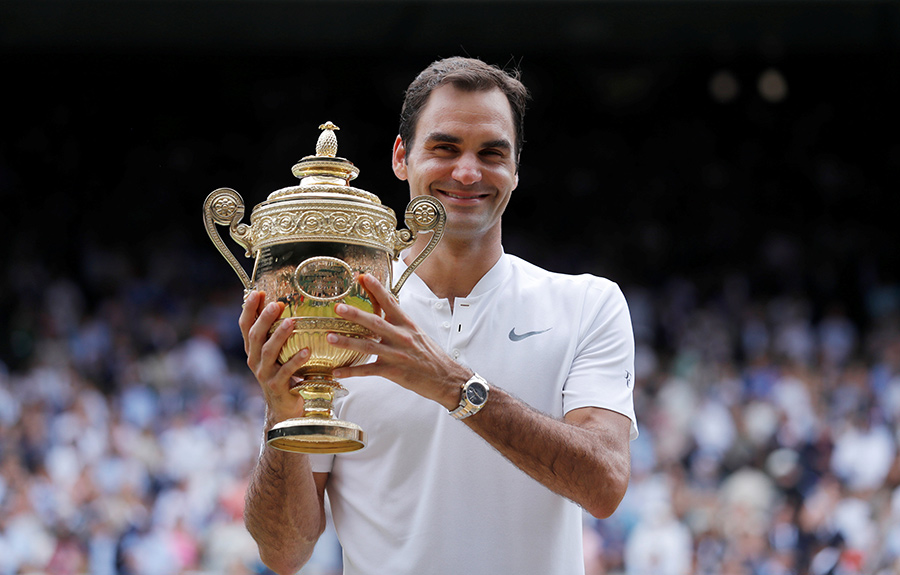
column 458, row 326
column 443, row 317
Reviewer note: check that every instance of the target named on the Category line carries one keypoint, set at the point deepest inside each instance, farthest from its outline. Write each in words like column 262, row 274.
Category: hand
column 262, row 351
column 406, row 355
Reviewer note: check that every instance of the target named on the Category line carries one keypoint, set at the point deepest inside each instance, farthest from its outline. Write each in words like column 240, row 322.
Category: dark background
column 119, row 117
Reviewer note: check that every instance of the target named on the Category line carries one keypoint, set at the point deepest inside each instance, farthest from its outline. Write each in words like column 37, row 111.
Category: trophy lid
column 325, row 173
column 324, row 208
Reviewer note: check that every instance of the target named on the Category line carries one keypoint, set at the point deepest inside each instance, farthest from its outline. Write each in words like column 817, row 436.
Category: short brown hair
column 469, row 74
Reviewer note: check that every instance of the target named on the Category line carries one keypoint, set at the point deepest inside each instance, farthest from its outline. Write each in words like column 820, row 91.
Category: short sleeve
column 602, row 372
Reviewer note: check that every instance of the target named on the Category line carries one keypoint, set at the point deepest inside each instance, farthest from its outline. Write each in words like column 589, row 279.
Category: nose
column 467, row 170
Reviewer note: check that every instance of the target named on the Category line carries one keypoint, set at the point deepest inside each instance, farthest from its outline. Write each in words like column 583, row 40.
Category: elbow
column 606, row 500
column 282, row 564
column 285, row 555
column 288, row 557
column 603, row 509
column 604, row 506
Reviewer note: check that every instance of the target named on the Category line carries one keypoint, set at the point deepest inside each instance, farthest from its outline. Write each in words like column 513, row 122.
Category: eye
column 444, row 148
column 493, row 154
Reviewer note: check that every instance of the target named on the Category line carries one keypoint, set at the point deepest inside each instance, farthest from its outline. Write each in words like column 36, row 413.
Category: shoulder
column 525, row 273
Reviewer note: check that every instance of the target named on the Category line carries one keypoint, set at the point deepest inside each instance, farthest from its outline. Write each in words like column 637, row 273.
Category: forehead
column 450, row 110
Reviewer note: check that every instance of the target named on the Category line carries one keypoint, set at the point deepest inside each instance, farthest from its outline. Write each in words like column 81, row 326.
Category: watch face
column 476, row 393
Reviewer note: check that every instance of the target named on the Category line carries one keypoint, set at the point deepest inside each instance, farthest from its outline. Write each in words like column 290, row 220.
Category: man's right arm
column 285, row 502
column 285, row 509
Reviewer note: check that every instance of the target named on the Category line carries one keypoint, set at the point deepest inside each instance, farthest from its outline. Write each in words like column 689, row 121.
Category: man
column 440, row 487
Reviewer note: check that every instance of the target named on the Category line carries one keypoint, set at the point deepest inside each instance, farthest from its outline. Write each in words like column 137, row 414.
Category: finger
column 384, row 300
column 362, row 345
column 287, row 371
column 370, row 321
column 381, row 297
column 281, row 404
column 249, row 313
column 271, row 349
column 282, row 380
column 370, row 368
column 259, row 332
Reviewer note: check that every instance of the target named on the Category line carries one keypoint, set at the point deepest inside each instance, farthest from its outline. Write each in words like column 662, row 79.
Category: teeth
column 452, row 195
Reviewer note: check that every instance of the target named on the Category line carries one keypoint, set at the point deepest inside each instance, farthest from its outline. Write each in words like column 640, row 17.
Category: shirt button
column 439, row 305
column 455, row 354
column 446, row 325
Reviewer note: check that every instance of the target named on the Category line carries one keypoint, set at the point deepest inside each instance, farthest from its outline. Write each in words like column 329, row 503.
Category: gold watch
column 473, row 397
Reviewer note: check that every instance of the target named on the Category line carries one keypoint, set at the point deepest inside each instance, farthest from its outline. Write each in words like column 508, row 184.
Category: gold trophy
column 309, row 243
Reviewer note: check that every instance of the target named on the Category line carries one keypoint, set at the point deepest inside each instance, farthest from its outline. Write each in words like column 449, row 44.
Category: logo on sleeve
column 628, row 381
column 513, row 336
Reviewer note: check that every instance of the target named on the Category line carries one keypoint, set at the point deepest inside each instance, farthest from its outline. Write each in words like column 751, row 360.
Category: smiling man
column 500, row 400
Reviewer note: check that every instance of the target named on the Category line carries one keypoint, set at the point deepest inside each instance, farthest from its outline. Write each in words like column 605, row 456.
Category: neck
column 454, row 267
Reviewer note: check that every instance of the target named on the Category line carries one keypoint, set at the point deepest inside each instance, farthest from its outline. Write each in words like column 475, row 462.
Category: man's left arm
column 584, row 457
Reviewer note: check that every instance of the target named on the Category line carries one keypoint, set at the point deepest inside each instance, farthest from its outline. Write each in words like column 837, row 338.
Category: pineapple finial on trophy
column 325, row 167
column 326, row 146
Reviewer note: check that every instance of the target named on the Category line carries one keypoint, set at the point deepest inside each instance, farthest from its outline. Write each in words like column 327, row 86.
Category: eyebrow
column 501, row 143
column 442, row 137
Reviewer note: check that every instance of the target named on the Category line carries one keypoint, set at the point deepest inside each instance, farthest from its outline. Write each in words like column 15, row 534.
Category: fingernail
column 331, row 338
column 304, row 352
column 340, row 308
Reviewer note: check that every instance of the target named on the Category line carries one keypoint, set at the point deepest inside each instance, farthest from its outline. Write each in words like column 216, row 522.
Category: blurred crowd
column 125, row 443
column 129, row 423
column 768, row 441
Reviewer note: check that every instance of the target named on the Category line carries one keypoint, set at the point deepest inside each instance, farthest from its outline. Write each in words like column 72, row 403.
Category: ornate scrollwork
column 424, row 213
column 324, row 221
column 326, row 324
column 225, row 207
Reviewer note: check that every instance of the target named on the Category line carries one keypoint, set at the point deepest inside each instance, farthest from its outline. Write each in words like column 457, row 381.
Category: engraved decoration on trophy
column 309, row 243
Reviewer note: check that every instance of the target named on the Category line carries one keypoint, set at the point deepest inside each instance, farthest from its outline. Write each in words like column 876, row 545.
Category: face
column 463, row 155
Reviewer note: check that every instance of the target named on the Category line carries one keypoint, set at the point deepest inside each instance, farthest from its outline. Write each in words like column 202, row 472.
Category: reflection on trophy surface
column 309, row 243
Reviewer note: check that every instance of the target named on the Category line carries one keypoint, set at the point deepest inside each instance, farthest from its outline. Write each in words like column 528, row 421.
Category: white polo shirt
column 428, row 495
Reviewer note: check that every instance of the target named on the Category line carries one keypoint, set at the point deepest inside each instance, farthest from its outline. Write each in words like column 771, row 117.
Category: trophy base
column 316, row 435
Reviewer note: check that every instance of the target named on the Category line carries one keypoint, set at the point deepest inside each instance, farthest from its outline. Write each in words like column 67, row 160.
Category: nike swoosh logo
column 513, row 336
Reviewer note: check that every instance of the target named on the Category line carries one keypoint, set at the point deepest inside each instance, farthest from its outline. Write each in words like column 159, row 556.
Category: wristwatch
column 473, row 397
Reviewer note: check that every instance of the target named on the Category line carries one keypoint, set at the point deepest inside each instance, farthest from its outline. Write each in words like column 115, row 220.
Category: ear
column 399, row 159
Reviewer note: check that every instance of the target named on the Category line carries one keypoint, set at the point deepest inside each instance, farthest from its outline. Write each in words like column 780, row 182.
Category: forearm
column 586, row 460
column 284, row 511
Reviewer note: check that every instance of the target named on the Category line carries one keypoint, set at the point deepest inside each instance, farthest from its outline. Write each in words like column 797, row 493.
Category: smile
column 462, row 196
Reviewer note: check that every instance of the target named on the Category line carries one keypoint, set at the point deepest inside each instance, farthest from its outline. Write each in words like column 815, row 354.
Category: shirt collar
column 493, row 278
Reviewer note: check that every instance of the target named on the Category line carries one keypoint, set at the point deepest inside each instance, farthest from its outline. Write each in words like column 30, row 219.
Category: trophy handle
column 225, row 207
column 423, row 214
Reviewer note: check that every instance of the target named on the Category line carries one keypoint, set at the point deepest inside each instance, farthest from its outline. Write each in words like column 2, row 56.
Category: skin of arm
column 285, row 502
column 285, row 509
column 584, row 457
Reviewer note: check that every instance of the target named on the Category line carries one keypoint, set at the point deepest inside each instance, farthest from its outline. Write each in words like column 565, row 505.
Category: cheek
column 505, row 179
column 429, row 171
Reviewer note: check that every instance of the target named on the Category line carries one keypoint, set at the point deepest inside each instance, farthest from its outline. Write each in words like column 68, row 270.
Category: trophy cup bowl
column 309, row 243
